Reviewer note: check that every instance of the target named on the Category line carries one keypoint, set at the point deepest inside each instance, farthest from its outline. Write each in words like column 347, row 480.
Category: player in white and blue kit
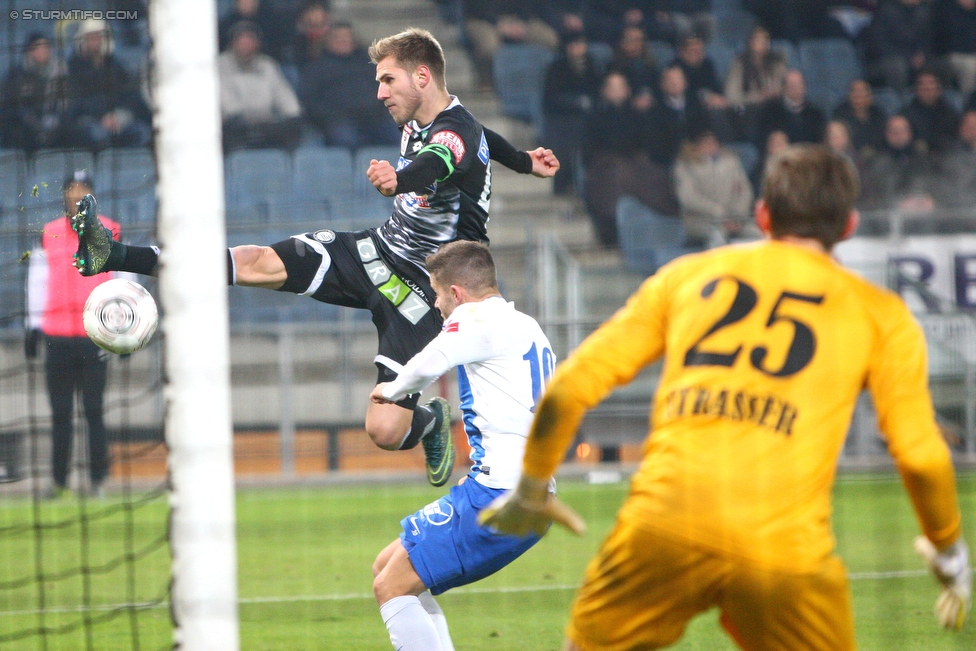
column 503, row 360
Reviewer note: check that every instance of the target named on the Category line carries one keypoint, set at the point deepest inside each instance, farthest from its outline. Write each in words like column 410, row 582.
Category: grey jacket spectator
column 33, row 99
column 258, row 106
column 714, row 193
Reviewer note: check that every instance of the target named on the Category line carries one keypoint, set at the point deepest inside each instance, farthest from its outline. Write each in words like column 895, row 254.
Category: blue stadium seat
column 733, row 27
column 829, row 66
column 371, row 208
column 258, row 177
column 125, row 185
column 788, row 50
column 888, row 100
column 722, row 54
column 748, row 155
column 49, row 167
column 13, row 177
column 663, row 52
column 324, row 179
column 648, row 240
column 519, row 71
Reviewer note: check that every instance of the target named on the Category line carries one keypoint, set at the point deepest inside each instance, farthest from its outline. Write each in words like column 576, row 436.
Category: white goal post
column 193, row 289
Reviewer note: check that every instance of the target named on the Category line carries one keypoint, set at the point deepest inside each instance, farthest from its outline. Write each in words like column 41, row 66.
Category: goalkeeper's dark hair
column 465, row 264
column 810, row 192
column 412, row 48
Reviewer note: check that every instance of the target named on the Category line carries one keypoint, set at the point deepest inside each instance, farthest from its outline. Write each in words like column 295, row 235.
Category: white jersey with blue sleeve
column 504, row 360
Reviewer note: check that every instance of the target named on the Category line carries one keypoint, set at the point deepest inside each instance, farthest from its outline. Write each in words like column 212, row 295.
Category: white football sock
column 410, row 627
column 440, row 621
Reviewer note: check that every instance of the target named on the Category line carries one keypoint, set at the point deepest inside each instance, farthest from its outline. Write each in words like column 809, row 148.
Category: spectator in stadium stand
column 864, row 119
column 311, row 34
column 489, row 23
column 275, row 26
column 900, row 175
column 799, row 19
column 755, row 75
column 33, row 99
column 571, row 86
column 954, row 37
column 257, row 104
column 56, row 296
column 616, row 160
column 606, row 21
column 678, row 114
column 354, row 117
column 714, row 193
column 105, row 108
column 776, row 143
column 700, row 72
column 934, row 120
column 634, row 59
column 792, row 113
column 955, row 168
column 899, row 42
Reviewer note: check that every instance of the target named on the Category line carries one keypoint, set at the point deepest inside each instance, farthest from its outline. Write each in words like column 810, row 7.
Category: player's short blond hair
column 412, row 48
column 465, row 264
column 810, row 192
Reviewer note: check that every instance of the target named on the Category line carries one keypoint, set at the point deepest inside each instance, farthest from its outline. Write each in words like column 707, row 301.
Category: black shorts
column 349, row 269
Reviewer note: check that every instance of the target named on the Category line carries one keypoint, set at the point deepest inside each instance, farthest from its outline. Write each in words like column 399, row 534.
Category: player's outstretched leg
column 94, row 239
column 438, row 444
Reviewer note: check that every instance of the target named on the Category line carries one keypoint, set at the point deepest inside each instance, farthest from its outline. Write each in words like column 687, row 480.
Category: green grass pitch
column 305, row 582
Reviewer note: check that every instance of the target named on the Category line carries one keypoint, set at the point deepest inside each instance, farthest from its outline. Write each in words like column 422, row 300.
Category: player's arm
column 539, row 162
column 898, row 380
column 433, row 163
column 611, row 356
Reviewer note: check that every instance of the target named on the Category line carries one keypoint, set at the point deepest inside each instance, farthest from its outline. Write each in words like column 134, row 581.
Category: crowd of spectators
column 632, row 101
column 686, row 121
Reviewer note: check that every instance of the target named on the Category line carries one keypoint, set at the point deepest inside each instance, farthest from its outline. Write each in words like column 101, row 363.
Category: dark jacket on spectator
column 805, row 125
column 869, row 133
column 95, row 91
column 953, row 28
column 899, row 30
column 334, row 88
column 33, row 102
column 670, row 127
column 891, row 175
column 935, row 125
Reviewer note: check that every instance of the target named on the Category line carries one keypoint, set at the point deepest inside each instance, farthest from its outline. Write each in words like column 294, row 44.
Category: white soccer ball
column 120, row 316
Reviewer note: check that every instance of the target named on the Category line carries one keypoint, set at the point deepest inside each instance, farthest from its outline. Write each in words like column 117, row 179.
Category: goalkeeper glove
column 951, row 568
column 530, row 508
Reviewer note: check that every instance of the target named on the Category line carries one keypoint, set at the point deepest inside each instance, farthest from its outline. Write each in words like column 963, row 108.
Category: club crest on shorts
column 324, row 236
column 439, row 513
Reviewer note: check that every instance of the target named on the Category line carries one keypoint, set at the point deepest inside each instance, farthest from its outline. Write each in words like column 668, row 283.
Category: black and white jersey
column 454, row 207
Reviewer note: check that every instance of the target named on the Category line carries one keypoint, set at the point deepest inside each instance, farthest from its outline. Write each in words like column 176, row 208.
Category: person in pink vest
column 56, row 295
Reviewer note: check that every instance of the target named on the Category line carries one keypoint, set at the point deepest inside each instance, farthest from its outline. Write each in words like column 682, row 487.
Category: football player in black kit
column 442, row 189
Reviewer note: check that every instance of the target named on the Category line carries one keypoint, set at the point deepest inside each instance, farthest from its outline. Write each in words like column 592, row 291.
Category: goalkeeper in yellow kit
column 766, row 347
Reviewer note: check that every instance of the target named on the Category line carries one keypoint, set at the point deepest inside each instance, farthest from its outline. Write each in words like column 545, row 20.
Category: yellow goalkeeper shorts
column 642, row 589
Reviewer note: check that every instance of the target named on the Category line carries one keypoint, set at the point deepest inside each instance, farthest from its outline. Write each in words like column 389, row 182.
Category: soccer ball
column 120, row 316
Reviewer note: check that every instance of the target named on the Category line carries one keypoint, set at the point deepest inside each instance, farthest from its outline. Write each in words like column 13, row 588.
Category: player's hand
column 383, row 177
column 376, row 395
column 544, row 163
column 530, row 508
column 951, row 568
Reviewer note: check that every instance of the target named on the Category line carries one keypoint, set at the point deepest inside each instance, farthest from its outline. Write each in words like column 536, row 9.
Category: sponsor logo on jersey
column 483, row 153
column 417, row 145
column 416, row 201
column 324, row 236
column 401, row 163
column 405, row 139
column 452, row 141
column 451, row 327
column 438, row 513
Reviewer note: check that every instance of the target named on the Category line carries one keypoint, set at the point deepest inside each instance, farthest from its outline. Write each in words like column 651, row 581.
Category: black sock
column 135, row 259
column 423, row 418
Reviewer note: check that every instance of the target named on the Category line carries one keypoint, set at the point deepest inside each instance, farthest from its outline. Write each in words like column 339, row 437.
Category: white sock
column 410, row 627
column 440, row 621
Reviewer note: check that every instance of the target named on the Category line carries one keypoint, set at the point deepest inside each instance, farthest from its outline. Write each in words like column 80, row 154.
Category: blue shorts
column 448, row 547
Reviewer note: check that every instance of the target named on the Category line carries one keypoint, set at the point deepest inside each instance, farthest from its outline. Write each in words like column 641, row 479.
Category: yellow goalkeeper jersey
column 766, row 348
